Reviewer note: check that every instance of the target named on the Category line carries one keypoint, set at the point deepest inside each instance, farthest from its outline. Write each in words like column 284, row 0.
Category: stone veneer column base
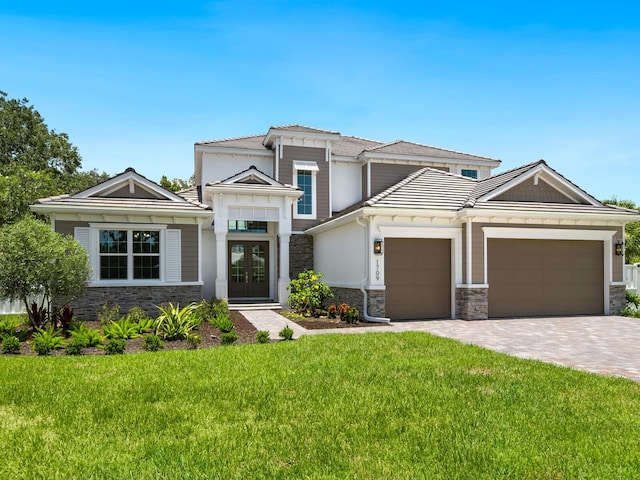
column 355, row 297
column 617, row 299
column 300, row 254
column 472, row 303
column 126, row 297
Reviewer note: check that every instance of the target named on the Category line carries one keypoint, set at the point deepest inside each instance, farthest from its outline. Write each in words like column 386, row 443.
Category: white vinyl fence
column 11, row 306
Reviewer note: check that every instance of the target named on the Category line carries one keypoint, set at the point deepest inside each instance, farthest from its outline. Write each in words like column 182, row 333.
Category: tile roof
column 294, row 127
column 352, row 146
column 427, row 188
column 495, row 181
column 250, row 141
column 402, row 147
column 347, row 145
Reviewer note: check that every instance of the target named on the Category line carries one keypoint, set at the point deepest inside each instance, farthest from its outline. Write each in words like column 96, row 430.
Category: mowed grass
column 371, row 406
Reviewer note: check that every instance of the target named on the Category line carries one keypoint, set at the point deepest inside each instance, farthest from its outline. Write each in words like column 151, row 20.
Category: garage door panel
column 417, row 278
column 545, row 277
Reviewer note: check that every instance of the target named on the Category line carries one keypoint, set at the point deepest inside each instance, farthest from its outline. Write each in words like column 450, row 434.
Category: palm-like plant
column 175, row 323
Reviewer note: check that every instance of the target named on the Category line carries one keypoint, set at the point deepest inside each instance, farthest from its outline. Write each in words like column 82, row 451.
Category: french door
column 248, row 269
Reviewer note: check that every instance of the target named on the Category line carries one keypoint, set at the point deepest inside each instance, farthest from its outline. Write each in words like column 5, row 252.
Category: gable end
column 535, row 191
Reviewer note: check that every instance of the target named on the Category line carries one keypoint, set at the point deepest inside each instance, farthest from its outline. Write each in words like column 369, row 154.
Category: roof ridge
column 290, row 125
column 384, row 144
column 227, row 139
column 526, row 166
column 362, row 138
column 430, row 146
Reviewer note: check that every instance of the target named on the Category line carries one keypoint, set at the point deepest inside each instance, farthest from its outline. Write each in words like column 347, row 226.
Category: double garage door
column 526, row 278
column 545, row 277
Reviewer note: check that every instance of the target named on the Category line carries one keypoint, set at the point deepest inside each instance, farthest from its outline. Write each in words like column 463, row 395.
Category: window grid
column 305, row 183
column 121, row 248
column 469, row 173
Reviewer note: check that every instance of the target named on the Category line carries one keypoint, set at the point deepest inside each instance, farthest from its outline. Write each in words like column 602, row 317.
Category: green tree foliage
column 35, row 162
column 177, row 184
column 631, row 231
column 39, row 265
column 25, row 140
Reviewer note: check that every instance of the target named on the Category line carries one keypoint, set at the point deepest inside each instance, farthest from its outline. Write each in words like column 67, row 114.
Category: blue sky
column 138, row 83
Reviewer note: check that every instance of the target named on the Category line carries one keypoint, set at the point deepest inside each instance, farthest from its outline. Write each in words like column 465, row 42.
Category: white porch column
column 283, row 278
column 222, row 284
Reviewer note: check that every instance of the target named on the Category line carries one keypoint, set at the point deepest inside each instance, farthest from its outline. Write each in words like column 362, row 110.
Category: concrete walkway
column 606, row 345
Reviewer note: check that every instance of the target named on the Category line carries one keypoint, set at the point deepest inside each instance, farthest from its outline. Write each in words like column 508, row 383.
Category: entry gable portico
column 252, row 228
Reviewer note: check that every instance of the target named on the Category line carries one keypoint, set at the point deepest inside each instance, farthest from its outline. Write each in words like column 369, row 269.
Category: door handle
column 246, row 277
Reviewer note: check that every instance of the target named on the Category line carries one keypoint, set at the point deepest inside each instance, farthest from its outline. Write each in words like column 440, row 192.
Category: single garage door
column 417, row 273
column 545, row 277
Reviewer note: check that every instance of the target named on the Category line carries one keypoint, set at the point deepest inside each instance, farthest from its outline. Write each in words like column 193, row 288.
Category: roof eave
column 53, row 208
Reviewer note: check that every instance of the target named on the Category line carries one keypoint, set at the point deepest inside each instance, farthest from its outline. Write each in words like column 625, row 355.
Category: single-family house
column 400, row 230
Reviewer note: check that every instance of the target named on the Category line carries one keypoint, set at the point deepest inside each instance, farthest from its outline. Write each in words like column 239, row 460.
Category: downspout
column 365, row 314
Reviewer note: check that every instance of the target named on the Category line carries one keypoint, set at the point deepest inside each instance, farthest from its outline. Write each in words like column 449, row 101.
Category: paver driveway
column 608, row 345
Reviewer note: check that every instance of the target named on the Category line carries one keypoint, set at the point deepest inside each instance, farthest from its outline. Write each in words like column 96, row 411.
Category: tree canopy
column 42, row 266
column 35, row 161
column 631, row 231
column 177, row 184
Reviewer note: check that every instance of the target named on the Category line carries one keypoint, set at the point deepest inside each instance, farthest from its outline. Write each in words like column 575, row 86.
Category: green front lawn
column 372, row 406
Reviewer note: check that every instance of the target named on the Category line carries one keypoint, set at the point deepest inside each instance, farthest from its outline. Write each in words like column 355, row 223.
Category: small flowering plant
column 308, row 292
column 348, row 313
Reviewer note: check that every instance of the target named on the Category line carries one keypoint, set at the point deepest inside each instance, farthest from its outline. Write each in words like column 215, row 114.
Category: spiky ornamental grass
column 376, row 405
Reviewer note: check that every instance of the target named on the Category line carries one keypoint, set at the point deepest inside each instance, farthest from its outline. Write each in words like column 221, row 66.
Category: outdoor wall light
column 619, row 247
column 377, row 246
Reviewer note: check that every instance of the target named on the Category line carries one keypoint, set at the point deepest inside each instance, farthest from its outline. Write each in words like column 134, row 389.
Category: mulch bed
column 323, row 323
column 210, row 338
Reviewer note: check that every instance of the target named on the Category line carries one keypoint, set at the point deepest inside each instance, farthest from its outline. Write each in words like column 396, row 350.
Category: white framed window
column 129, row 253
column 304, row 177
column 469, row 173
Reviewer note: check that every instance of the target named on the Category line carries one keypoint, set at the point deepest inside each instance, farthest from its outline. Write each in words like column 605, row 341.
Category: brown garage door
column 545, row 277
column 417, row 274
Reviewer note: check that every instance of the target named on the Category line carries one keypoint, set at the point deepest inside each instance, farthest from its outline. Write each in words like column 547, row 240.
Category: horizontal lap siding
column 308, row 154
column 67, row 227
column 384, row 175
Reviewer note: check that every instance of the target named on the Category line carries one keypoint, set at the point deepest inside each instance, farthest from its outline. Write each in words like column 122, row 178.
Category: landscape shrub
column 87, row 337
column 216, row 308
column 223, row 323
column 10, row 344
column 64, row 317
column 115, row 346
column 108, row 312
column 123, row 328
column 152, row 343
column 73, row 347
column 228, row 338
column 144, row 325
column 348, row 313
column 308, row 292
column 44, row 341
column 193, row 341
column 332, row 311
column 262, row 336
column 286, row 333
column 136, row 314
column 9, row 324
column 633, row 303
column 175, row 323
